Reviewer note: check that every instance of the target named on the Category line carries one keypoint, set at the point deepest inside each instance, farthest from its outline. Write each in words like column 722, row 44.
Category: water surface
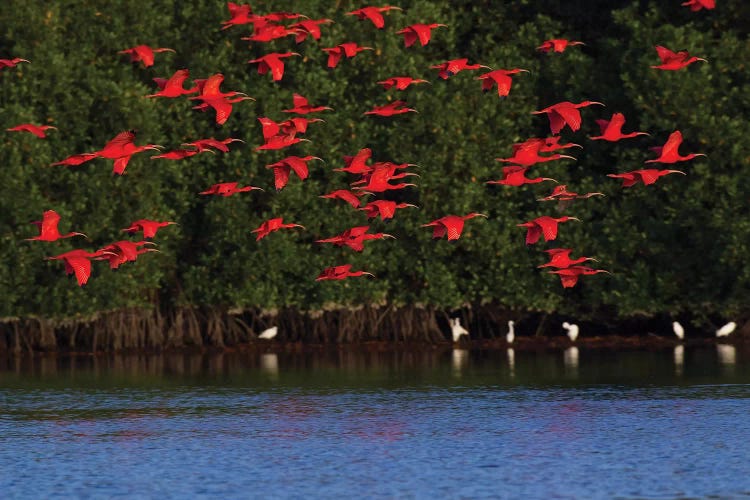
column 436, row 423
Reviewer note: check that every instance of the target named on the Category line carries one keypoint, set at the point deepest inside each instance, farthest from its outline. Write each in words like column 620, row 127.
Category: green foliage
column 677, row 246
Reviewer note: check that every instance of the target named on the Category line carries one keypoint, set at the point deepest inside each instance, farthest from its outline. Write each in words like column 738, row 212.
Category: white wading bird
column 457, row 330
column 269, row 333
column 572, row 330
column 511, row 335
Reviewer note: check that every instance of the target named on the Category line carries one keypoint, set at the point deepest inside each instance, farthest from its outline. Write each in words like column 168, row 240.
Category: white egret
column 572, row 330
column 678, row 330
column 457, row 330
column 269, row 333
column 511, row 335
column 726, row 329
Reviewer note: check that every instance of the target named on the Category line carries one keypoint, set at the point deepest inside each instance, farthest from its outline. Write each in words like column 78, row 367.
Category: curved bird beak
column 568, row 157
column 386, row 235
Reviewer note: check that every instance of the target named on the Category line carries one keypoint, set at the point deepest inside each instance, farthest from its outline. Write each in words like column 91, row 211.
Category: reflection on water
column 445, row 423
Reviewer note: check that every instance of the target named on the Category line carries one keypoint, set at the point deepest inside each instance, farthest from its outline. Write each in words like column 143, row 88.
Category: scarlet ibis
column 551, row 144
column 273, row 62
column 77, row 159
column 349, row 49
column 501, row 78
column 400, row 82
column 11, row 63
column 121, row 149
column 228, row 189
column 611, row 130
column 557, row 45
column 282, row 169
column 727, row 329
column 390, row 109
column 385, row 208
column 355, row 238
column 377, row 180
column 174, row 85
column 374, row 14
column 527, row 154
column 221, row 102
column 308, row 27
column 123, row 251
column 457, row 331
column 696, row 5
column 357, row 164
column 302, row 106
column 560, row 258
column 179, row 154
column 78, row 262
column 48, row 228
column 450, row 225
column 569, row 276
column 280, row 142
column 421, row 32
column 561, row 193
column 647, row 176
column 565, row 113
column 37, row 130
column 543, row 226
column 340, row 273
column 144, row 54
column 669, row 152
column 450, row 68
column 514, row 175
column 297, row 125
column 352, row 198
column 148, row 226
column 672, row 61
column 571, row 330
column 272, row 225
column 206, row 144
column 265, row 31
column 241, row 14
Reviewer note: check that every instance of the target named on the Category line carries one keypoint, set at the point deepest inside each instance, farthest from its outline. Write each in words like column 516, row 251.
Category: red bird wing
column 50, row 219
column 616, row 123
column 299, row 101
column 120, row 165
column 504, row 82
column 119, row 145
column 334, row 56
column 570, row 115
column 410, row 36
column 222, row 107
column 533, row 233
column 145, row 54
column 374, row 15
column 80, row 266
column 270, row 127
column 665, row 54
column 423, row 32
column 672, row 145
column 649, row 176
column 298, row 165
column 176, row 81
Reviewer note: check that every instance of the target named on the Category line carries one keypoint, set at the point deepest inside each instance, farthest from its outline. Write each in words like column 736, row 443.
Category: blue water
column 378, row 425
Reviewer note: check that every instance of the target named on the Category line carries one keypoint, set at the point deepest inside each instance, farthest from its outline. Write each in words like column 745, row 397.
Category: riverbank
column 369, row 327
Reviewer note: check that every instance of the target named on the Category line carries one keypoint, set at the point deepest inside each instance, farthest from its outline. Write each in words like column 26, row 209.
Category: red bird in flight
column 400, row 82
column 228, row 189
column 352, row 198
column 374, row 14
column 647, row 176
column 11, row 63
column 221, row 102
column 282, row 169
column 48, row 228
column 241, row 14
column 561, row 193
column 274, row 63
column 450, row 68
column 74, row 160
column 357, row 164
column 122, row 148
column 569, row 276
column 206, row 144
column 386, row 209
column 501, row 78
column 349, row 49
column 78, row 262
column 144, row 54
column 565, row 113
column 340, row 273
column 421, row 32
column 527, row 153
column 179, row 154
column 308, row 27
column 514, row 175
column 560, row 258
column 272, row 225
column 149, row 227
column 672, row 61
column 669, row 152
column 696, row 5
column 611, row 130
column 450, row 225
column 355, row 238
column 301, row 106
column 174, row 85
column 37, row 130
column 123, row 251
column 390, row 109
column 543, row 226
column 557, row 45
